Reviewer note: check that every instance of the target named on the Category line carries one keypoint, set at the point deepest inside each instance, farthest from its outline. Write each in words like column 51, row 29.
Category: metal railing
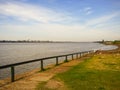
column 12, row 66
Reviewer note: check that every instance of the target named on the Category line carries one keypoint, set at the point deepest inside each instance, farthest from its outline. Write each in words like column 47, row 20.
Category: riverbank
column 117, row 50
column 51, row 79
column 98, row 72
column 32, row 81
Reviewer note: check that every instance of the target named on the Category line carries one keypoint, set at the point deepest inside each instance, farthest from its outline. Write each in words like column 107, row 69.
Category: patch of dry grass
column 100, row 72
column 105, row 62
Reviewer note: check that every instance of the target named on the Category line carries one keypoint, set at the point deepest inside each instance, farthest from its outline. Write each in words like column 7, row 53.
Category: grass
column 41, row 86
column 100, row 72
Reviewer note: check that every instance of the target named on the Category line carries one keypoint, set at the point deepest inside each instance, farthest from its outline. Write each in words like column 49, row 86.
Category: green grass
column 116, row 42
column 41, row 86
column 101, row 72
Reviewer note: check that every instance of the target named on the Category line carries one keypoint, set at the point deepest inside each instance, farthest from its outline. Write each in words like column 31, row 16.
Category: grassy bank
column 100, row 72
column 115, row 42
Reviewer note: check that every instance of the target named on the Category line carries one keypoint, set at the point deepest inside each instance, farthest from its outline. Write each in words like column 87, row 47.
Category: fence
column 12, row 66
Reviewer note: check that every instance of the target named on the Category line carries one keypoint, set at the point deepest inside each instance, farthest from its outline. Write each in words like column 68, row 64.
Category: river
column 18, row 52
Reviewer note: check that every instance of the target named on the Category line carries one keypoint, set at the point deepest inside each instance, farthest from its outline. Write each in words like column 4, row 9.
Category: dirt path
column 30, row 82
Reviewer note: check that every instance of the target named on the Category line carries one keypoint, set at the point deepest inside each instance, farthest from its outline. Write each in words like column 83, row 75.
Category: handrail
column 35, row 60
column 41, row 59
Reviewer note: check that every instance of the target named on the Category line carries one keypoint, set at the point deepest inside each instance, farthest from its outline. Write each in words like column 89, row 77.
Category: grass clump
column 40, row 86
column 101, row 72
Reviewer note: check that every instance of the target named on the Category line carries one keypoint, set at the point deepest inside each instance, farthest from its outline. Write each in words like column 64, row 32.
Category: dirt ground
column 32, row 79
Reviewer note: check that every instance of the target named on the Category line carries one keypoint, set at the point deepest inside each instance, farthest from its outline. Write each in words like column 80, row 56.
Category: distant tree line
column 33, row 41
column 24, row 41
column 116, row 42
column 110, row 42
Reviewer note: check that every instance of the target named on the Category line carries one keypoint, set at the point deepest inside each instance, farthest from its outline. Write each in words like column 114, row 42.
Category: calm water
column 17, row 52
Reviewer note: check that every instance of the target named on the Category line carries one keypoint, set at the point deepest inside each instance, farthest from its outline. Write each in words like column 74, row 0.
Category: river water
column 18, row 52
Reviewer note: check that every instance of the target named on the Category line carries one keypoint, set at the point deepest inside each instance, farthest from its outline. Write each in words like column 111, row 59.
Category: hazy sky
column 60, row 20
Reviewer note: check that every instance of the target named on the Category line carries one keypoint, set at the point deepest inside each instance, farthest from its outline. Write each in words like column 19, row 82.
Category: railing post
column 77, row 55
column 80, row 55
column 56, row 60
column 66, row 58
column 42, row 65
column 12, row 74
column 72, row 57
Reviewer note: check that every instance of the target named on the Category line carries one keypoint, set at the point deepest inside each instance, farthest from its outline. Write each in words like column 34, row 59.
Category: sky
column 60, row 20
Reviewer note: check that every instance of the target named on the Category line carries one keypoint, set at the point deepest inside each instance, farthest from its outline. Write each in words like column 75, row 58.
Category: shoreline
column 98, row 51
column 117, row 50
column 46, row 63
column 38, row 75
column 52, row 67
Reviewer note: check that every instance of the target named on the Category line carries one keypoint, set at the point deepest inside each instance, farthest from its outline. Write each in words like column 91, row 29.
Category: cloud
column 12, row 0
column 42, row 31
column 25, row 12
column 88, row 10
column 49, row 25
column 56, row 32
column 102, row 19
